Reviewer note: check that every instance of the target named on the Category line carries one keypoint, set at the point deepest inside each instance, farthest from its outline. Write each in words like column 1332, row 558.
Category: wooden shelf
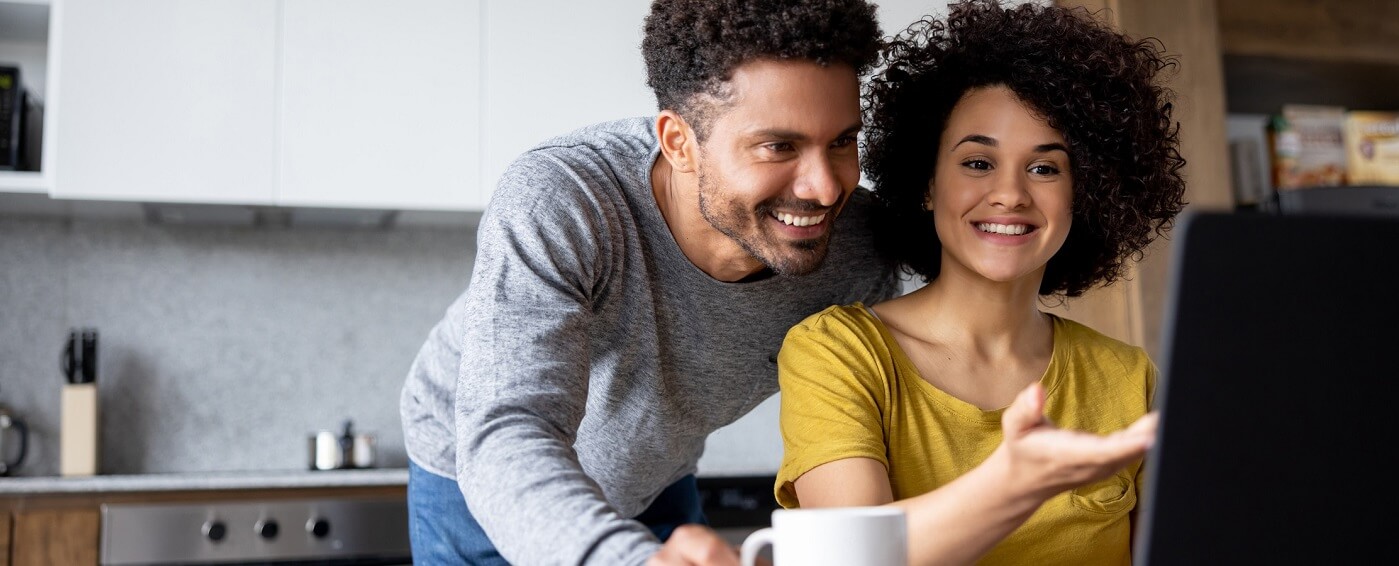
column 1262, row 84
column 1333, row 52
column 1361, row 31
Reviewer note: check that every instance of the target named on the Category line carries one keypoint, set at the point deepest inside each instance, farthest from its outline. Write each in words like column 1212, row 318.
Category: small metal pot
column 362, row 451
column 345, row 450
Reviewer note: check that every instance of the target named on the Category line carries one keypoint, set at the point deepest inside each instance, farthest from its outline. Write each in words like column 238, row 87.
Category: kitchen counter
column 389, row 477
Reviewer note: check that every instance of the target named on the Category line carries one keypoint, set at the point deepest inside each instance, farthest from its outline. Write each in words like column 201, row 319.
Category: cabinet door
column 555, row 65
column 4, row 537
column 380, row 104
column 57, row 537
column 165, row 100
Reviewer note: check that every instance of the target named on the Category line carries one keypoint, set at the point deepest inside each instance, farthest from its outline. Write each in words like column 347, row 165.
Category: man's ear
column 928, row 197
column 678, row 142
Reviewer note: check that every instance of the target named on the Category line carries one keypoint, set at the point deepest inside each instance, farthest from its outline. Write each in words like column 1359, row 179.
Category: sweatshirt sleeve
column 522, row 387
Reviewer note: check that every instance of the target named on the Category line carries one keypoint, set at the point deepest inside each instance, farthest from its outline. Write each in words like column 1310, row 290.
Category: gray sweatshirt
column 588, row 359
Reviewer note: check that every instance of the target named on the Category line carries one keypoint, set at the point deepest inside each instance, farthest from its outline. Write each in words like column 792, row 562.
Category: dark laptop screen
column 1280, row 355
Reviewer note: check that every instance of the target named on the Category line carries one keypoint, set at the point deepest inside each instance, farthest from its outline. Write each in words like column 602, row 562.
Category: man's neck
column 713, row 252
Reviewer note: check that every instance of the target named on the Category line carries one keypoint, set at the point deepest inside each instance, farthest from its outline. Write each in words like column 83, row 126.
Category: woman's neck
column 980, row 317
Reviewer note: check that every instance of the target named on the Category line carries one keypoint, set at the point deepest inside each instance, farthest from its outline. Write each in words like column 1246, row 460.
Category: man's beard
column 750, row 230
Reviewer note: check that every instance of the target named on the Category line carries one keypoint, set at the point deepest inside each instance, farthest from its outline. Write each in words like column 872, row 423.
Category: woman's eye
column 1044, row 169
column 977, row 164
column 844, row 141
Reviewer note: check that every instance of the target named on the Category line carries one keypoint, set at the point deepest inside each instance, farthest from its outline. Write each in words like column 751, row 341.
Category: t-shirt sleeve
column 832, row 392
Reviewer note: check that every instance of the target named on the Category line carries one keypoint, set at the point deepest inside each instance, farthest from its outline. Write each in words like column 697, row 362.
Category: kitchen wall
column 223, row 348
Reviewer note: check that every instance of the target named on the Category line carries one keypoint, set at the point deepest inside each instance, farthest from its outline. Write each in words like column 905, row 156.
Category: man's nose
column 819, row 180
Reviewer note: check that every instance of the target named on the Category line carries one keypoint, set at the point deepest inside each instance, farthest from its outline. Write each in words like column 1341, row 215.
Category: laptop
column 1277, row 394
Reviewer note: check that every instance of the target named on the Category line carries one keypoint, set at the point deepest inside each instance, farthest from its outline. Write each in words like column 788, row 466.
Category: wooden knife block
column 78, row 430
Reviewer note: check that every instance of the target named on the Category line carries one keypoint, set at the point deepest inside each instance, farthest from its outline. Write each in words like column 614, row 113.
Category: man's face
column 780, row 159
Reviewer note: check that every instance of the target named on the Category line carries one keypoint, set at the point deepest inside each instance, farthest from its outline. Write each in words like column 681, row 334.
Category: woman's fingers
column 1025, row 413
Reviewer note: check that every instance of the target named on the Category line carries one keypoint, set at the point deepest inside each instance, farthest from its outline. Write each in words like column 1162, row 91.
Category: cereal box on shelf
column 1372, row 148
column 1306, row 146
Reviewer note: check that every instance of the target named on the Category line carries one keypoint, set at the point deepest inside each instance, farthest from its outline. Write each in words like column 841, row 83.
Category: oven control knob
column 318, row 528
column 266, row 528
column 214, row 530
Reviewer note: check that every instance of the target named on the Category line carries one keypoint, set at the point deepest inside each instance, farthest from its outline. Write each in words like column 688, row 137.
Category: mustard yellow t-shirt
column 849, row 391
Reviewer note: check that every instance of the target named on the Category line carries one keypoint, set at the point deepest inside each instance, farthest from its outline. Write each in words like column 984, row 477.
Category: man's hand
column 695, row 545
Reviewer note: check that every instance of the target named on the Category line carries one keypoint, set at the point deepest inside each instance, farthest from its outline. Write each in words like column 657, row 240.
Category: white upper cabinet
column 383, row 104
column 380, row 104
column 165, row 100
column 318, row 103
column 555, row 65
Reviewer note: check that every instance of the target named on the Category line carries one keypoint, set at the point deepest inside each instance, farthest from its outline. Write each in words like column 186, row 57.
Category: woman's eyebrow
column 990, row 141
column 978, row 138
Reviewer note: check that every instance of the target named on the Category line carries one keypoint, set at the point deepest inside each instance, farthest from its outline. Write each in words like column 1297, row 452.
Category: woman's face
column 1002, row 193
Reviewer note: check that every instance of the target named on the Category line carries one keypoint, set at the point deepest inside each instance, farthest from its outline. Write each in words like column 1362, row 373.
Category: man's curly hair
column 1096, row 86
column 692, row 46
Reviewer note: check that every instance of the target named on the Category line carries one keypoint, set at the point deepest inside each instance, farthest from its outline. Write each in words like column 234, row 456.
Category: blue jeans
column 442, row 530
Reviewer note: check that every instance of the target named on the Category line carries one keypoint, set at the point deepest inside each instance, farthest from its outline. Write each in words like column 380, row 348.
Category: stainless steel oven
column 308, row 531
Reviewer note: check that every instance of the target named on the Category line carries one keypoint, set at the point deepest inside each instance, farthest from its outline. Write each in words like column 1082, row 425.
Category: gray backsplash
column 224, row 348
column 220, row 348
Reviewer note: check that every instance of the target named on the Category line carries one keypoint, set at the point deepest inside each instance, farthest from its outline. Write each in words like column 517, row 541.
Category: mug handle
column 23, row 446
column 753, row 544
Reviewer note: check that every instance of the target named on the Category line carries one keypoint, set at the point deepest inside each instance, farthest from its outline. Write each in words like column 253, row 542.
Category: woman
column 1018, row 153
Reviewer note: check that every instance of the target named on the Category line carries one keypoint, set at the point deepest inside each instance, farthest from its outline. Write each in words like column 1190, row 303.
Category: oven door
column 320, row 531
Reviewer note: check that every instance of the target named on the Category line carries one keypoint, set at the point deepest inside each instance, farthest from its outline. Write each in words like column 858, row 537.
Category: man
column 633, row 283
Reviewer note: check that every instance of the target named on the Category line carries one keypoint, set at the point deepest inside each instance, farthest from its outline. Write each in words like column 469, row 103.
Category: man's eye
column 978, row 164
column 779, row 147
column 844, row 141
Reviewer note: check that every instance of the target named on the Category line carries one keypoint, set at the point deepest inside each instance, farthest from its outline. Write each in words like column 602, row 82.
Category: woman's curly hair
column 691, row 47
column 1096, row 86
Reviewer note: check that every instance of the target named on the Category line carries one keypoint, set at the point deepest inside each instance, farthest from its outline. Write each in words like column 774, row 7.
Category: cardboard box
column 1306, row 144
column 1372, row 148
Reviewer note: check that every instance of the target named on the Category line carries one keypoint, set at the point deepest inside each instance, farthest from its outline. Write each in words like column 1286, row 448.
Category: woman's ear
column 678, row 143
column 928, row 197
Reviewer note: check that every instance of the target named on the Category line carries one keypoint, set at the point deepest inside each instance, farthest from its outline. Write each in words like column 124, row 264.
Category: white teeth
column 793, row 220
column 1009, row 229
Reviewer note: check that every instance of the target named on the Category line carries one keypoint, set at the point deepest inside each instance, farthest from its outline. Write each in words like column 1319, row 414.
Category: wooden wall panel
column 1190, row 30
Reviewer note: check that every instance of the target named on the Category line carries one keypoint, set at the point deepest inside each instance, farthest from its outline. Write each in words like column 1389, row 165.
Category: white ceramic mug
column 832, row 536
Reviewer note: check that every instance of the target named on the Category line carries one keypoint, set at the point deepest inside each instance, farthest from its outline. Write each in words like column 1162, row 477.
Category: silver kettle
column 8, row 422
